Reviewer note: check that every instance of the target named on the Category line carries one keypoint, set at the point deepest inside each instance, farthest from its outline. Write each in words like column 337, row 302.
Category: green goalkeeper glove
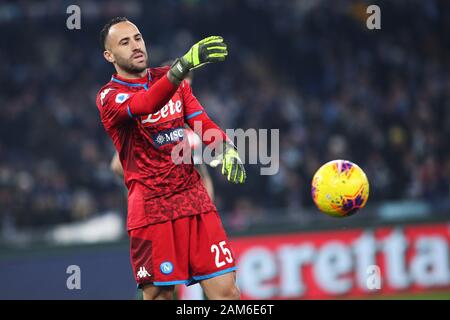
column 232, row 166
column 211, row 49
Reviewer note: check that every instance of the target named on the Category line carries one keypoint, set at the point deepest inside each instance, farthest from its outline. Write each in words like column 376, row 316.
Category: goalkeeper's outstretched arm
column 208, row 50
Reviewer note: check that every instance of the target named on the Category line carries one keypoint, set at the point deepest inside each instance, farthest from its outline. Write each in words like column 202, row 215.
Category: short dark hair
column 105, row 30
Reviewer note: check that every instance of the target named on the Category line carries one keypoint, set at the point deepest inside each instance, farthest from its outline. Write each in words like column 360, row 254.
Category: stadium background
column 335, row 89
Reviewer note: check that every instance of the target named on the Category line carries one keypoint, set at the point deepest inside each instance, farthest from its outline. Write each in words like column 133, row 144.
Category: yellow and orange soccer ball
column 340, row 188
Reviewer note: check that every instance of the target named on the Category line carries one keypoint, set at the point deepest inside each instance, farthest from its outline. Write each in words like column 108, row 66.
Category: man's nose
column 135, row 46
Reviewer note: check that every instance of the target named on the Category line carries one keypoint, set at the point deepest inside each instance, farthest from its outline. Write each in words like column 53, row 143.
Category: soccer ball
column 340, row 188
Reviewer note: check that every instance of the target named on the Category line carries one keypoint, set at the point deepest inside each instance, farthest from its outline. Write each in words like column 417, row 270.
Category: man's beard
column 129, row 67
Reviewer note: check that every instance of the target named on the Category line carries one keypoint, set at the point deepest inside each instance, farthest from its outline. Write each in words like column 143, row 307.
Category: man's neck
column 128, row 75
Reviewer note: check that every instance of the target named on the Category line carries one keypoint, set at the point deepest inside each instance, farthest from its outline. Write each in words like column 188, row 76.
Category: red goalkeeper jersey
column 158, row 189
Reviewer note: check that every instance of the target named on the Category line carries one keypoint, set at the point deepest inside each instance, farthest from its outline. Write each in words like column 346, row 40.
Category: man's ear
column 108, row 56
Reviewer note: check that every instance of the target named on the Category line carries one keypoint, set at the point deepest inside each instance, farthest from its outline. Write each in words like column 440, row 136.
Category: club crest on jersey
column 168, row 136
column 166, row 267
column 121, row 97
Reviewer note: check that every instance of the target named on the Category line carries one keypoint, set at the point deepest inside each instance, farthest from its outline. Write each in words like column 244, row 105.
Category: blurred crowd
column 335, row 89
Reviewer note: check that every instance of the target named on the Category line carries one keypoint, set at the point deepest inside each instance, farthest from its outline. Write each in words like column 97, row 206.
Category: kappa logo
column 166, row 267
column 121, row 97
column 104, row 93
column 142, row 273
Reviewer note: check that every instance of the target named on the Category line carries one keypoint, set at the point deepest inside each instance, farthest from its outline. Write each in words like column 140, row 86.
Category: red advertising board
column 344, row 263
column 320, row 265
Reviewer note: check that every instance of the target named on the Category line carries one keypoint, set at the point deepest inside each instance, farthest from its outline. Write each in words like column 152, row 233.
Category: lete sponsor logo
column 170, row 111
column 344, row 263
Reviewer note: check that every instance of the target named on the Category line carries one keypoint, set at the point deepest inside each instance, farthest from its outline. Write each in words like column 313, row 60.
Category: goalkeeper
column 176, row 234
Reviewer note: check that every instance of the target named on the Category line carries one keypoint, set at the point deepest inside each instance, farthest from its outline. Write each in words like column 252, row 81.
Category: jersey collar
column 138, row 82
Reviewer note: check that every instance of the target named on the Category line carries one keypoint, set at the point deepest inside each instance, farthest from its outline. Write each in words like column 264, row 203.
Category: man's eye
column 138, row 39
column 125, row 43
